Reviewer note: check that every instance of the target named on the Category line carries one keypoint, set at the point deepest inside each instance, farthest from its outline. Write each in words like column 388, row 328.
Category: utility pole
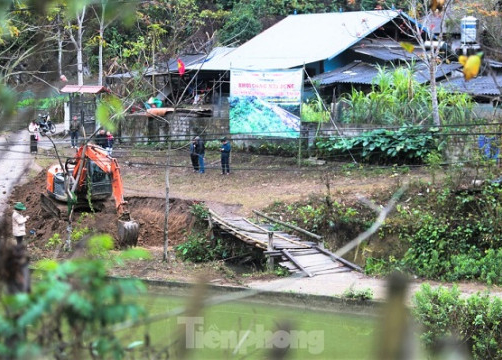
column 166, row 215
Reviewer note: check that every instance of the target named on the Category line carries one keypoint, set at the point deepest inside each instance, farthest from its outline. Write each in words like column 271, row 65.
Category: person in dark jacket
column 194, row 157
column 200, row 149
column 101, row 139
column 74, row 130
column 225, row 156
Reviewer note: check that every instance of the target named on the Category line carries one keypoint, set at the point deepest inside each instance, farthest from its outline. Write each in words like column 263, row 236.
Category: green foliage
column 433, row 161
column 475, row 321
column 70, row 310
column 44, row 103
column 200, row 211
column 99, row 246
column 79, row 233
column 313, row 111
column 397, row 99
column 198, row 249
column 7, row 100
column 363, row 294
column 376, row 266
column 281, row 271
column 215, row 145
column 319, row 215
column 242, row 25
column 268, row 148
column 79, row 230
column 54, row 241
column 407, row 145
column 109, row 111
column 456, row 235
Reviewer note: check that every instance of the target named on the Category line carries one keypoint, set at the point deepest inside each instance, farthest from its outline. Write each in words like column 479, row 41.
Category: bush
column 199, row 249
column 456, row 236
column 363, row 294
column 476, row 321
column 266, row 148
column 408, row 145
column 195, row 249
column 71, row 309
column 201, row 213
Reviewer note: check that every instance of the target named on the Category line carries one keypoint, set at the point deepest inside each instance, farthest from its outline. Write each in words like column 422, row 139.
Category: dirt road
column 15, row 157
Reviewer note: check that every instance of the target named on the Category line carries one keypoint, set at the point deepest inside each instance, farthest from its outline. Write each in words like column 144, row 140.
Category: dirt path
column 15, row 157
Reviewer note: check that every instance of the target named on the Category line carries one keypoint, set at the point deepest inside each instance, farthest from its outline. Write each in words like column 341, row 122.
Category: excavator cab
column 100, row 181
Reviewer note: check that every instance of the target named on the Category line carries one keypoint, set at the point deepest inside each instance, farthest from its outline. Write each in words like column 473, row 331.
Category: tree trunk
column 434, row 93
column 100, row 57
column 101, row 40
column 78, row 44
column 80, row 60
column 60, row 48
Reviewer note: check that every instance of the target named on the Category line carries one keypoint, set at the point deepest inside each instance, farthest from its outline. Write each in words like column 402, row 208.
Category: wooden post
column 300, row 150
column 270, row 247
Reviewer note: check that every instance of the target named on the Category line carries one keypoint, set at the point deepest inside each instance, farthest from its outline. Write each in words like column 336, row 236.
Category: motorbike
column 45, row 124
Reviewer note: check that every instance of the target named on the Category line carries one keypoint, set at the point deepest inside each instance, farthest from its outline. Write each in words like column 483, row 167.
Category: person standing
column 109, row 143
column 193, row 155
column 200, row 149
column 74, row 129
column 18, row 222
column 101, row 139
column 225, row 156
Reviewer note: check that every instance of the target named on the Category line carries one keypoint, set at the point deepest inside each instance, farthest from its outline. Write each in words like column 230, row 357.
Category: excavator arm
column 128, row 229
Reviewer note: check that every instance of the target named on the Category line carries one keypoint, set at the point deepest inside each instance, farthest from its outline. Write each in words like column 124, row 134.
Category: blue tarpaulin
column 489, row 146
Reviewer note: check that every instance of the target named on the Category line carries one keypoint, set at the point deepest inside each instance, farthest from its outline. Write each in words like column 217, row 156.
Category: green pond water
column 252, row 327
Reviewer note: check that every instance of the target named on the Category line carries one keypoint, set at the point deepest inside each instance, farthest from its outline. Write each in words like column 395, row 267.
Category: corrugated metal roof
column 126, row 75
column 481, row 85
column 356, row 72
column 387, row 50
column 494, row 64
column 363, row 73
column 215, row 60
column 304, row 39
column 84, row 89
column 422, row 74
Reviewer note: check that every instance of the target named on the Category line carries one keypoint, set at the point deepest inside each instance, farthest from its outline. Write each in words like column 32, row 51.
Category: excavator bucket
column 128, row 232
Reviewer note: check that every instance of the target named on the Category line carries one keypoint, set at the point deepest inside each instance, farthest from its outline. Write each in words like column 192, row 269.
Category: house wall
column 338, row 61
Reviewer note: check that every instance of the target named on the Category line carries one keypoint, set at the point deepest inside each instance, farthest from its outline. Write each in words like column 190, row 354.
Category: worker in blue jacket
column 225, row 156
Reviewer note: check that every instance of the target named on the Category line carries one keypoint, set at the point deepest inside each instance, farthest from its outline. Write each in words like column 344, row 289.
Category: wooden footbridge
column 298, row 256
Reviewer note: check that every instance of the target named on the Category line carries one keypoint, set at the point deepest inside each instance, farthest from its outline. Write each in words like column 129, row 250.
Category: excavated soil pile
column 148, row 211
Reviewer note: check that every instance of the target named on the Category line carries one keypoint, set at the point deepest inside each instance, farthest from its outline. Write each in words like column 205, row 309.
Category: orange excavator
column 85, row 181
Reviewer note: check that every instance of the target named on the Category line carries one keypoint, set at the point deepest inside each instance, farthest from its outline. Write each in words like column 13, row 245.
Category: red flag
column 181, row 67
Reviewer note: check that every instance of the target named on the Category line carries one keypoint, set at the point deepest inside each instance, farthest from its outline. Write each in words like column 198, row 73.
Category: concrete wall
column 140, row 129
column 136, row 129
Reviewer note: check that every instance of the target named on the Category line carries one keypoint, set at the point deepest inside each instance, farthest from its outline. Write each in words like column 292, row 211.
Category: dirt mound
column 148, row 211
